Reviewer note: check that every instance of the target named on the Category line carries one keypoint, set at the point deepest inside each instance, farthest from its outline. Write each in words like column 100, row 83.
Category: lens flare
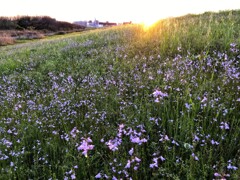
column 148, row 24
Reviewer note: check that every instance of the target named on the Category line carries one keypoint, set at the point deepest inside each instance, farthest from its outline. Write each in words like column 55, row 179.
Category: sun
column 149, row 19
column 148, row 23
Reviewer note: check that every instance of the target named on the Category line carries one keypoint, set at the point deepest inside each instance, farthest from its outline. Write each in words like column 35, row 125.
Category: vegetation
column 20, row 28
column 36, row 23
column 125, row 103
column 6, row 40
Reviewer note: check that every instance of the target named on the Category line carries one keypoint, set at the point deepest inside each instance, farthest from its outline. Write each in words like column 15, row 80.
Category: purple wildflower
column 204, row 100
column 196, row 138
column 85, row 146
column 135, row 168
column 164, row 138
column 73, row 176
column 224, row 125
column 120, row 130
column 157, row 100
column 232, row 167
column 162, row 158
column 214, row 142
column 137, row 159
column 128, row 164
column 159, row 95
column 74, row 132
column 217, row 174
column 106, row 176
column 113, row 144
column 174, row 142
column 188, row 106
column 131, row 152
column 98, row 176
column 155, row 164
column 195, row 157
column 233, row 48
column 114, row 178
column 137, row 140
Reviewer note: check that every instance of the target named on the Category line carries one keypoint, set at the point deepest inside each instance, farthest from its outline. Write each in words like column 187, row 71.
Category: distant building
column 96, row 23
column 125, row 23
column 81, row 23
column 104, row 24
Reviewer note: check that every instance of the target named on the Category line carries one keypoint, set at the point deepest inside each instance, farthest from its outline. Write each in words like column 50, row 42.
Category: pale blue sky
column 112, row 10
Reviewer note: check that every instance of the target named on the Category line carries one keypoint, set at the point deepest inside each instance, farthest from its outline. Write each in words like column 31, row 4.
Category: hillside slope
column 125, row 102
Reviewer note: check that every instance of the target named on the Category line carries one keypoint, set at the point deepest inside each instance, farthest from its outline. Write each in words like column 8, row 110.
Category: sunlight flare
column 149, row 23
column 149, row 20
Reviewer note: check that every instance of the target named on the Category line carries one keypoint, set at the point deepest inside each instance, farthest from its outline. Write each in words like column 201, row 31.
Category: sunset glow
column 137, row 11
column 149, row 21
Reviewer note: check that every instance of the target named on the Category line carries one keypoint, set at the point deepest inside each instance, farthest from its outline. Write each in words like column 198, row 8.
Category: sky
column 138, row 11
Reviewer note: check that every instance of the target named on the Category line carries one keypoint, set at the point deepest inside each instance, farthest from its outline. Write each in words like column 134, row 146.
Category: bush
column 30, row 35
column 6, row 40
column 36, row 23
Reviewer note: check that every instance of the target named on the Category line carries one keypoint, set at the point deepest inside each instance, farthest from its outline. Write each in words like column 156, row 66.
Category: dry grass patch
column 6, row 40
column 8, row 37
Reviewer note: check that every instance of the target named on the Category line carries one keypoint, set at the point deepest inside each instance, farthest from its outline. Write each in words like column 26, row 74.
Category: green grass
column 157, row 103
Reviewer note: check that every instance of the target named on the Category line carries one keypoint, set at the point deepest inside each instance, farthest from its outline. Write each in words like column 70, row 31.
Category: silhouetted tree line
column 36, row 23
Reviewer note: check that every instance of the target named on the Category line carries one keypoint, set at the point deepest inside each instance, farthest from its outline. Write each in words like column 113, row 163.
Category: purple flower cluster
column 134, row 136
column 158, row 95
column 155, row 162
column 85, row 146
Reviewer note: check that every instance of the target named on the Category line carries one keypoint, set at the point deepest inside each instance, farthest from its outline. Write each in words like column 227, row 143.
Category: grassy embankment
column 162, row 103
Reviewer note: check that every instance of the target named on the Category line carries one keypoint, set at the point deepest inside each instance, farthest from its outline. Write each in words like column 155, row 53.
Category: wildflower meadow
column 125, row 102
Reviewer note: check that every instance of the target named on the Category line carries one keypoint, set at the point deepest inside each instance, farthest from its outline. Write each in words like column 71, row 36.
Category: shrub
column 6, row 40
column 31, row 35
column 36, row 23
